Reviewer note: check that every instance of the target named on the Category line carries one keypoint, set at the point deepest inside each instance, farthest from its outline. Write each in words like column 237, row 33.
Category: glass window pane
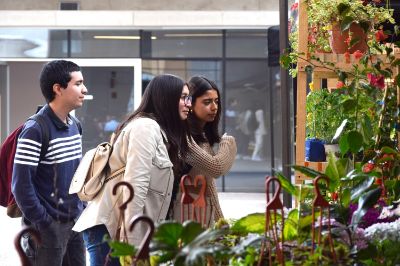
column 112, row 89
column 183, row 68
column 247, row 115
column 26, row 43
column 104, row 43
column 249, row 44
column 58, row 44
column 181, row 44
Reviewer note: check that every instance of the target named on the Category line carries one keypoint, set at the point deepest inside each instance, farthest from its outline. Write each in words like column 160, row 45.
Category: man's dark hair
column 56, row 72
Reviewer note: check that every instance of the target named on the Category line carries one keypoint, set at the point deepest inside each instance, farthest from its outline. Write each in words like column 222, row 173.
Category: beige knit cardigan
column 212, row 164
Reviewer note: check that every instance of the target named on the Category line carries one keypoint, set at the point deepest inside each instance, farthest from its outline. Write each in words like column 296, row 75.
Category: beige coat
column 148, row 169
column 212, row 165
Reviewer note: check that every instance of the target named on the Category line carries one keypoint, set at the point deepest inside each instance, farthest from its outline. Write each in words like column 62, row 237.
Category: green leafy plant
column 323, row 13
column 324, row 114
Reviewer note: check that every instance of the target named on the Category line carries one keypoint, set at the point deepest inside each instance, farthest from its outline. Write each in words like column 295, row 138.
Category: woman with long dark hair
column 150, row 144
column 203, row 120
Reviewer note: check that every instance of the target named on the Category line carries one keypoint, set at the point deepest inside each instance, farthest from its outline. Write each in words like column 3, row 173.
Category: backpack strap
column 45, row 133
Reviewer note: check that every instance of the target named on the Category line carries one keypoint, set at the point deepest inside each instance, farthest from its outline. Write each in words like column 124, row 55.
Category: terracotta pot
column 338, row 39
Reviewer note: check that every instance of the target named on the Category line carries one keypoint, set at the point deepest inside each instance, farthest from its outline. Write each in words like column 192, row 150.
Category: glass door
column 114, row 90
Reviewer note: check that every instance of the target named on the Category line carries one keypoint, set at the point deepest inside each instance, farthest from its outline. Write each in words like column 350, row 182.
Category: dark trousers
column 60, row 246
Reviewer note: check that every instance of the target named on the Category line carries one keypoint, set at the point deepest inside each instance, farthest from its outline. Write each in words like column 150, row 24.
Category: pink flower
column 376, row 80
column 294, row 6
column 339, row 84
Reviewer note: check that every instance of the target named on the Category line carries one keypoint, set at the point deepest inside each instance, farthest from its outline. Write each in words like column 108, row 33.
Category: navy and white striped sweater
column 40, row 187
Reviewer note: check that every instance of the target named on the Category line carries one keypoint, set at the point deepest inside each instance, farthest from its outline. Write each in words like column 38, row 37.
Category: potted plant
column 325, row 15
column 324, row 116
column 352, row 23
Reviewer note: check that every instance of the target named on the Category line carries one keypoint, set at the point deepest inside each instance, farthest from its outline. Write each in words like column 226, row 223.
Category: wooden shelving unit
column 319, row 73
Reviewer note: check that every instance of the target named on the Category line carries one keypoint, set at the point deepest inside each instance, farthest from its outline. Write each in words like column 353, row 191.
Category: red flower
column 380, row 35
column 335, row 196
column 378, row 181
column 358, row 54
column 376, row 80
column 368, row 167
column 294, row 6
column 339, row 84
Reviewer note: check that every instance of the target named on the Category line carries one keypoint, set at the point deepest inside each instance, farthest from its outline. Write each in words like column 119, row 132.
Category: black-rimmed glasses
column 186, row 99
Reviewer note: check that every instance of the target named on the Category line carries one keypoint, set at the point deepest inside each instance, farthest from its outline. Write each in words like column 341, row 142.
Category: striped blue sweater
column 40, row 187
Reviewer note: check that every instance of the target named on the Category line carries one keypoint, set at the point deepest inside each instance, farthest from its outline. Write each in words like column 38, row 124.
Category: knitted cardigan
column 205, row 161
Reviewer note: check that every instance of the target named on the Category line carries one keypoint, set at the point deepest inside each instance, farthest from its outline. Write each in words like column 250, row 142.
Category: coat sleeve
column 141, row 149
column 213, row 165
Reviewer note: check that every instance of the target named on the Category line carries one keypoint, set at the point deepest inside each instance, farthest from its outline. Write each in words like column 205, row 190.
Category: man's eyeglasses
column 186, row 99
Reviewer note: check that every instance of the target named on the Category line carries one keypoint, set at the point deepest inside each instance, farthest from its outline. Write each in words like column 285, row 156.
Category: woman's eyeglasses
column 186, row 99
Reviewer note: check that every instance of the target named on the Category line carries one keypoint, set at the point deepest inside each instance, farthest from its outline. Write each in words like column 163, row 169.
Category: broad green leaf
column 332, row 173
column 287, row 185
column 345, row 197
column 121, row 249
column 252, row 223
column 366, row 129
column 388, row 150
column 291, row 223
column 355, row 141
column 190, row 231
column 307, row 171
column 168, row 233
column 343, row 144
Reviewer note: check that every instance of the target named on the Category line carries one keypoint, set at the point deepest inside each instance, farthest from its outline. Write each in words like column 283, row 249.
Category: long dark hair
column 160, row 102
column 198, row 86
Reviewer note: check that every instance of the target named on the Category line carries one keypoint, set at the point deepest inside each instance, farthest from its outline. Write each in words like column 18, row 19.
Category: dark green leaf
column 343, row 9
column 168, row 233
column 343, row 144
column 346, row 22
column 365, row 25
column 190, row 231
column 388, row 150
column 355, row 141
column 349, row 105
column 307, row 171
column 345, row 197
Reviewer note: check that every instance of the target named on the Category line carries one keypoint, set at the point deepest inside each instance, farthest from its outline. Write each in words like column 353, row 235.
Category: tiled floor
column 234, row 205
